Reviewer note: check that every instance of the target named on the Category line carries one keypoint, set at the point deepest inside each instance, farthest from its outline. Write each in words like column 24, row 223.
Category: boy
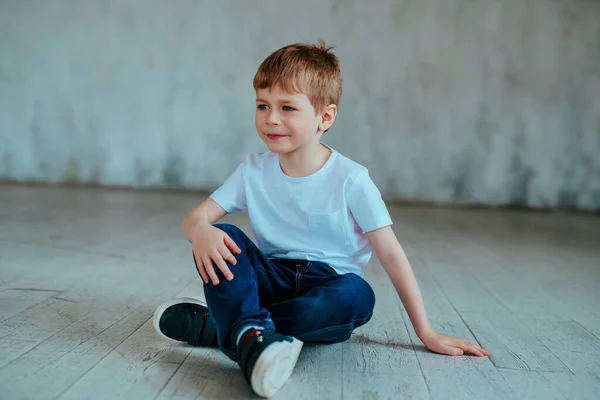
column 316, row 216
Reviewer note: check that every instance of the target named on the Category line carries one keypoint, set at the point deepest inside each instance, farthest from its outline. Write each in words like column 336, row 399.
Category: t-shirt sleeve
column 231, row 195
column 366, row 204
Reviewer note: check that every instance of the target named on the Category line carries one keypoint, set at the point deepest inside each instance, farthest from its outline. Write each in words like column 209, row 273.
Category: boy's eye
column 288, row 108
column 262, row 106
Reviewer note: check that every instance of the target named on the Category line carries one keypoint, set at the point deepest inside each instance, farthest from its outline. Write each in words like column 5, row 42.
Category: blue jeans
column 305, row 299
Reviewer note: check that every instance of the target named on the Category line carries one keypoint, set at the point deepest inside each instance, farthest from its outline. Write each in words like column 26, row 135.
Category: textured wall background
column 486, row 101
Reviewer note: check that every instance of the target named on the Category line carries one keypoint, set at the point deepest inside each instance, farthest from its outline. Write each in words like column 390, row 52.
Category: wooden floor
column 81, row 271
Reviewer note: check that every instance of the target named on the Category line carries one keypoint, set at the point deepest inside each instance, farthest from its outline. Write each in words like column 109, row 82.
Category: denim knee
column 233, row 231
column 229, row 228
column 364, row 296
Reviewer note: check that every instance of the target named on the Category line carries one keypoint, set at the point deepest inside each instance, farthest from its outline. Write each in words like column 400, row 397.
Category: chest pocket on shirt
column 331, row 229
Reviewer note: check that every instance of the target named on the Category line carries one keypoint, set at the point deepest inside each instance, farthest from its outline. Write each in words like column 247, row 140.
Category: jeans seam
column 330, row 328
column 299, row 275
column 297, row 279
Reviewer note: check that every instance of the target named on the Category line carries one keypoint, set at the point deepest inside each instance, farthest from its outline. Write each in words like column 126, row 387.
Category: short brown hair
column 309, row 69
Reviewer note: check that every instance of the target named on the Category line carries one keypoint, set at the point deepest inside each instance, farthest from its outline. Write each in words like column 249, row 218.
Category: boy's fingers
column 227, row 256
column 474, row 350
column 453, row 351
column 231, row 244
column 222, row 266
column 471, row 347
column 200, row 267
column 208, row 265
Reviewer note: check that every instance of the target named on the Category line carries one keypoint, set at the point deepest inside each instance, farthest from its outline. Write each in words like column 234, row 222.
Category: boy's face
column 287, row 122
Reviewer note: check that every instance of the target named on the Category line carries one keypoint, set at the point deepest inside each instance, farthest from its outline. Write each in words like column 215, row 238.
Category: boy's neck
column 305, row 161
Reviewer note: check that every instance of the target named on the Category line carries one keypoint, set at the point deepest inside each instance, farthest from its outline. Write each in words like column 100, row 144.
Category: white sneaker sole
column 274, row 367
column 163, row 307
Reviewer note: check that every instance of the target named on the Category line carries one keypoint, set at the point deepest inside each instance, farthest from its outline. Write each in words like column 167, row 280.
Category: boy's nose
column 273, row 118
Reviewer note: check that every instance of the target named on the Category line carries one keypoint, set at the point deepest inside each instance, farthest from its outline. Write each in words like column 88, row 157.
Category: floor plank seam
column 443, row 291
column 43, row 341
column 101, row 359
column 32, row 289
column 487, row 289
column 586, row 329
column 63, row 299
column 84, row 374
column 115, row 323
column 479, row 342
column 416, row 355
column 537, row 371
column 173, row 375
column 490, row 358
column 78, row 250
column 549, row 349
column 30, row 307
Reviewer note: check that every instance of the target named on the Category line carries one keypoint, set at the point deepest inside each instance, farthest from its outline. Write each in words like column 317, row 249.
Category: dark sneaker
column 267, row 359
column 186, row 320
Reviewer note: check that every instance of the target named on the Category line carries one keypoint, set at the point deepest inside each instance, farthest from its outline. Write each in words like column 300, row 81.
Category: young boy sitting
column 316, row 215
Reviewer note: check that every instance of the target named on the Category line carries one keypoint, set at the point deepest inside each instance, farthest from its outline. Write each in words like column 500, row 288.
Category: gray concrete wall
column 487, row 101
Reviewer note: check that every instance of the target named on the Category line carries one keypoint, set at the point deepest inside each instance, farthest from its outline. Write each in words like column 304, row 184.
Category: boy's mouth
column 275, row 137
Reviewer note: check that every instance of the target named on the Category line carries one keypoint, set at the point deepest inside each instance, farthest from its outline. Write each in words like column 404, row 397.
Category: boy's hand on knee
column 214, row 247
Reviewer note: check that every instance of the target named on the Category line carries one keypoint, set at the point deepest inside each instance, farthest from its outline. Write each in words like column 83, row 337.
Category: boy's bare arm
column 207, row 213
column 393, row 259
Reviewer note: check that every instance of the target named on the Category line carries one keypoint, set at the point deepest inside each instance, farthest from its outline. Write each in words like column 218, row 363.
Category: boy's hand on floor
column 444, row 344
column 214, row 247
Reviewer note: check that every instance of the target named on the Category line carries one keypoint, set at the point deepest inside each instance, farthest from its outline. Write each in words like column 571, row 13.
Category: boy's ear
column 327, row 117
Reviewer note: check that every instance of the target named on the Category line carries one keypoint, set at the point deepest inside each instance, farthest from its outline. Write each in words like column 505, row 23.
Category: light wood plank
column 133, row 345
column 536, row 280
column 14, row 301
column 511, row 343
column 11, row 349
column 58, row 362
column 43, row 375
column 529, row 385
column 206, row 373
column 318, row 374
column 139, row 367
column 85, row 335
column 91, row 337
column 382, row 346
column 581, row 364
column 564, row 336
column 42, row 320
column 380, row 386
column 461, row 287
column 445, row 374
column 508, row 337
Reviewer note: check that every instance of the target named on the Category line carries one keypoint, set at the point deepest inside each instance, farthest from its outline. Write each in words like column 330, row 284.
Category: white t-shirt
column 320, row 217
